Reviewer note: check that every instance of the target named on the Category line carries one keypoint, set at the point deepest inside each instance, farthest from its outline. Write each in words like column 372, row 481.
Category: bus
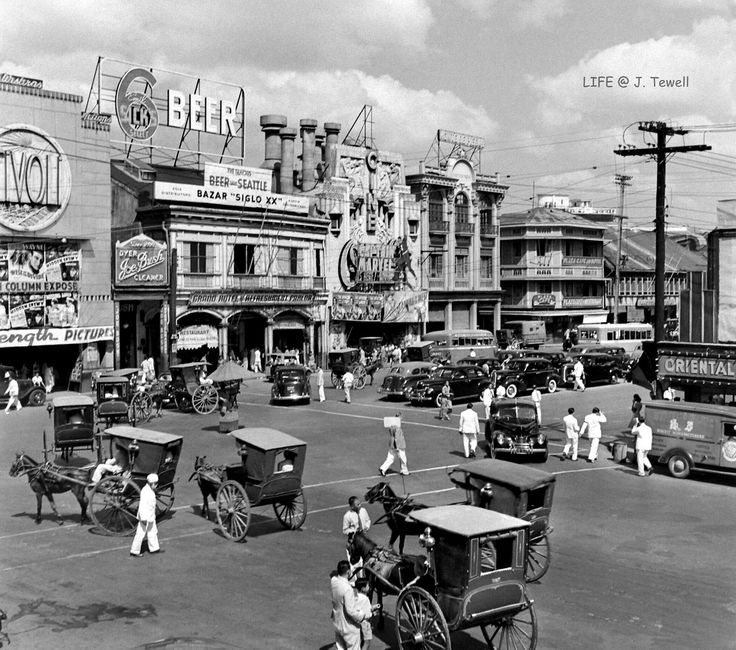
column 628, row 336
column 453, row 345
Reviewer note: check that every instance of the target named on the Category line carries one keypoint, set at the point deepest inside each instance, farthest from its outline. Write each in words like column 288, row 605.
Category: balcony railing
column 440, row 227
column 486, row 283
column 464, row 228
column 462, row 283
column 567, row 272
column 488, row 230
column 212, row 281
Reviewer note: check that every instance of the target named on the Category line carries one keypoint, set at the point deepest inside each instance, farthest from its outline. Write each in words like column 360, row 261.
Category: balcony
column 488, row 231
column 464, row 228
column 557, row 272
column 436, row 283
column 437, row 227
column 275, row 282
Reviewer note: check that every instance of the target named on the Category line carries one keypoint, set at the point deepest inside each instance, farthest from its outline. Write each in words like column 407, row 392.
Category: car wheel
column 512, row 390
column 37, row 398
column 678, row 466
column 551, row 385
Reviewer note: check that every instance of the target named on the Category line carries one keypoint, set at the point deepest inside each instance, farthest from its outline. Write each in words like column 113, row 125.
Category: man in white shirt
column 321, row 383
column 356, row 518
column 578, row 371
column 12, row 391
column 146, row 518
column 347, row 384
column 571, row 431
column 469, row 428
column 346, row 616
column 593, row 423
column 537, row 399
column 487, row 398
column 500, row 391
column 643, row 433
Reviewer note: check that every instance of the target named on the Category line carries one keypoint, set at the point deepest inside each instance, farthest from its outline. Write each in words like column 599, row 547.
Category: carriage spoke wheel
column 537, row 559
column 516, row 631
column 142, row 404
column 419, row 621
column 204, row 399
column 113, row 505
column 164, row 500
column 336, row 383
column 233, row 510
column 292, row 513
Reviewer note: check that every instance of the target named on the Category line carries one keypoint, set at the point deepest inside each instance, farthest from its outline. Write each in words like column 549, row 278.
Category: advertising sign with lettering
column 35, row 179
column 234, row 198
column 4, row 312
column 62, row 263
column 55, row 336
column 544, row 300
column 375, row 263
column 696, row 367
column 233, row 299
column 405, row 306
column 61, row 310
column 196, row 336
column 357, row 306
column 141, row 262
column 231, row 177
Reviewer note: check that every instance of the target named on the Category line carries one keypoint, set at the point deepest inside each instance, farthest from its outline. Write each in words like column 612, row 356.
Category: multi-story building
column 56, row 310
column 459, row 243
column 552, row 268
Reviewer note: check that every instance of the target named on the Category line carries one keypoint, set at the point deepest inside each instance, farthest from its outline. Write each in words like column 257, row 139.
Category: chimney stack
column 331, row 131
column 286, row 173
column 270, row 125
column 308, row 127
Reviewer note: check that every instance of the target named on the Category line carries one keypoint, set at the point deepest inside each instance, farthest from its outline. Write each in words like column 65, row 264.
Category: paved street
column 636, row 563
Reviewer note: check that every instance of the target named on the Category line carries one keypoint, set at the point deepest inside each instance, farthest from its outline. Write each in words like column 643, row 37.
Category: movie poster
column 62, row 263
column 3, row 263
column 61, row 310
column 357, row 306
column 26, row 262
column 27, row 310
column 4, row 312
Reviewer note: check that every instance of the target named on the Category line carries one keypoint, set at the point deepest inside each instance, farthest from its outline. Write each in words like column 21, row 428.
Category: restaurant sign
column 141, row 262
column 196, row 336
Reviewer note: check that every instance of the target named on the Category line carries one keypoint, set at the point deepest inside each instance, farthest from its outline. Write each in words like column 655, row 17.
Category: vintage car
column 291, row 384
column 597, row 367
column 276, row 359
column 525, row 373
column 513, row 430
column 492, row 362
column 623, row 358
column 28, row 394
column 557, row 359
column 402, row 378
column 466, row 382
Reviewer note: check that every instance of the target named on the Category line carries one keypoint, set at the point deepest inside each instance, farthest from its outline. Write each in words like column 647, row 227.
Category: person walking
column 12, row 392
column 321, row 383
column 592, row 423
column 346, row 617
column 537, row 399
column 146, row 518
column 643, row 433
column 347, row 384
column 487, row 398
column 636, row 407
column 572, row 429
column 257, row 360
column 469, row 428
column 445, row 399
column 396, row 447
column 578, row 372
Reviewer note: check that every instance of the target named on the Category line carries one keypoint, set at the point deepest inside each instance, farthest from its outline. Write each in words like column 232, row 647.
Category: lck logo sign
column 137, row 114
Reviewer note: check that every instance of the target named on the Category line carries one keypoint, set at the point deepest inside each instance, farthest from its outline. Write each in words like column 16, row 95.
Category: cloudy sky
column 518, row 73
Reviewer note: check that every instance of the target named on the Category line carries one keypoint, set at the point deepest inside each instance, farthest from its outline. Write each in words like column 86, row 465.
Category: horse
column 383, row 565
column 47, row 479
column 209, row 479
column 396, row 509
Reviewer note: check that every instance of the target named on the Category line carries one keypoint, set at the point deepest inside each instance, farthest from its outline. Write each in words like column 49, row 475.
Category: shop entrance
column 290, row 333
column 246, row 331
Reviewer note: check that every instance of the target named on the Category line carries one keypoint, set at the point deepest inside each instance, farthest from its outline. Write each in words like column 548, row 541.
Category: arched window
column 462, row 208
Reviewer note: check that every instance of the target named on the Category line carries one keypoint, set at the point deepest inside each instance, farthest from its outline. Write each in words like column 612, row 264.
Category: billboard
column 141, row 262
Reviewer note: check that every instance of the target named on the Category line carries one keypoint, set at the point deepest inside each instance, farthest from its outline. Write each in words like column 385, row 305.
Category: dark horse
column 209, row 479
column 47, row 479
column 388, row 571
column 395, row 511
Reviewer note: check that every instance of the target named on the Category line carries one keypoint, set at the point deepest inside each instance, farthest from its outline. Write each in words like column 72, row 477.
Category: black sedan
column 524, row 374
column 597, row 368
column 291, row 384
column 513, row 431
column 466, row 383
column 28, row 393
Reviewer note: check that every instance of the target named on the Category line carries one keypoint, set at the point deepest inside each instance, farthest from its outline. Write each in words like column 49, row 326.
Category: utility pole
column 623, row 182
column 660, row 151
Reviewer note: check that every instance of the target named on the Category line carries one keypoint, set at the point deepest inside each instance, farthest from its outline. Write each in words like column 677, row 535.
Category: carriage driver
column 113, row 465
column 356, row 519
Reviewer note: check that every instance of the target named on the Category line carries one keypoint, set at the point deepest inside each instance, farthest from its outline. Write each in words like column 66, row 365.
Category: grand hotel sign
column 35, row 178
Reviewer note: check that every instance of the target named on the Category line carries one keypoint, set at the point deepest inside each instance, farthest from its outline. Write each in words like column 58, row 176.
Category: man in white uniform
column 537, row 399
column 346, row 616
column 321, row 383
column 578, row 370
column 487, row 398
column 571, row 431
column 593, row 423
column 643, row 433
column 12, row 391
column 347, row 384
column 146, row 518
column 470, row 428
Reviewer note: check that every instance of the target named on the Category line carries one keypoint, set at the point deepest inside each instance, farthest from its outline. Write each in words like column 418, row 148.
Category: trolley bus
column 625, row 335
column 453, row 345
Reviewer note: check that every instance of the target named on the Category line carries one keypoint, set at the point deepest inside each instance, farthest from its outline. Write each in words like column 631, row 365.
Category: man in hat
column 12, row 391
column 146, row 518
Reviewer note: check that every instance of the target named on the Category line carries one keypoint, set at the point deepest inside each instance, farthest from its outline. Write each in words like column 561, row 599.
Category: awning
column 195, row 336
column 26, row 338
column 594, row 319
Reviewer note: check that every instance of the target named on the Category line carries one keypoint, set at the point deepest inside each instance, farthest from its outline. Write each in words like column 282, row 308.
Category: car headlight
column 500, row 439
column 541, row 438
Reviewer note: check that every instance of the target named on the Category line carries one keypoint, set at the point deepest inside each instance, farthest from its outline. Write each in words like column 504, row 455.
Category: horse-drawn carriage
column 516, row 490
column 340, row 361
column 118, row 398
column 187, row 390
column 113, row 500
column 473, row 577
column 73, row 422
column 269, row 472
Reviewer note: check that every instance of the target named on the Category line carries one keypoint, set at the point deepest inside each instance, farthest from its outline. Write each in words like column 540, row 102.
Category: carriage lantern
column 426, row 540
column 487, row 491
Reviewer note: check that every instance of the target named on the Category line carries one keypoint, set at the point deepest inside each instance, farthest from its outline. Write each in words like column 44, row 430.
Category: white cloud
column 539, row 13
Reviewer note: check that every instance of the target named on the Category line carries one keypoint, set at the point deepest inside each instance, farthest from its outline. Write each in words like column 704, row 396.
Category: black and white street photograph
column 401, row 325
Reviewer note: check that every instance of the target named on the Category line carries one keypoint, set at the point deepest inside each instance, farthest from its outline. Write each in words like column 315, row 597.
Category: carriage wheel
column 233, row 510
column 164, row 500
column 183, row 402
column 142, row 404
column 537, row 559
column 113, row 505
column 359, row 375
column 336, row 381
column 205, row 399
column 420, row 622
column 516, row 631
column 292, row 514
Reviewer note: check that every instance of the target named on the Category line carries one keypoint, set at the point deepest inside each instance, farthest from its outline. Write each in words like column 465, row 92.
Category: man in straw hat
column 146, row 518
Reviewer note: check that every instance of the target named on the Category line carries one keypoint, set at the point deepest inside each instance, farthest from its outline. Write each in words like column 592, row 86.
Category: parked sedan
column 597, row 367
column 402, row 377
column 466, row 382
column 291, row 384
column 28, row 394
column 524, row 374
column 513, row 430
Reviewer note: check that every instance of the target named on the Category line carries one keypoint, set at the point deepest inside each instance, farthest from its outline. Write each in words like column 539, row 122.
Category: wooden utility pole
column 623, row 182
column 660, row 151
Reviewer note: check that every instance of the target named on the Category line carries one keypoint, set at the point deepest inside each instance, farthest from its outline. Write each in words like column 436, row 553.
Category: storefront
column 56, row 310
